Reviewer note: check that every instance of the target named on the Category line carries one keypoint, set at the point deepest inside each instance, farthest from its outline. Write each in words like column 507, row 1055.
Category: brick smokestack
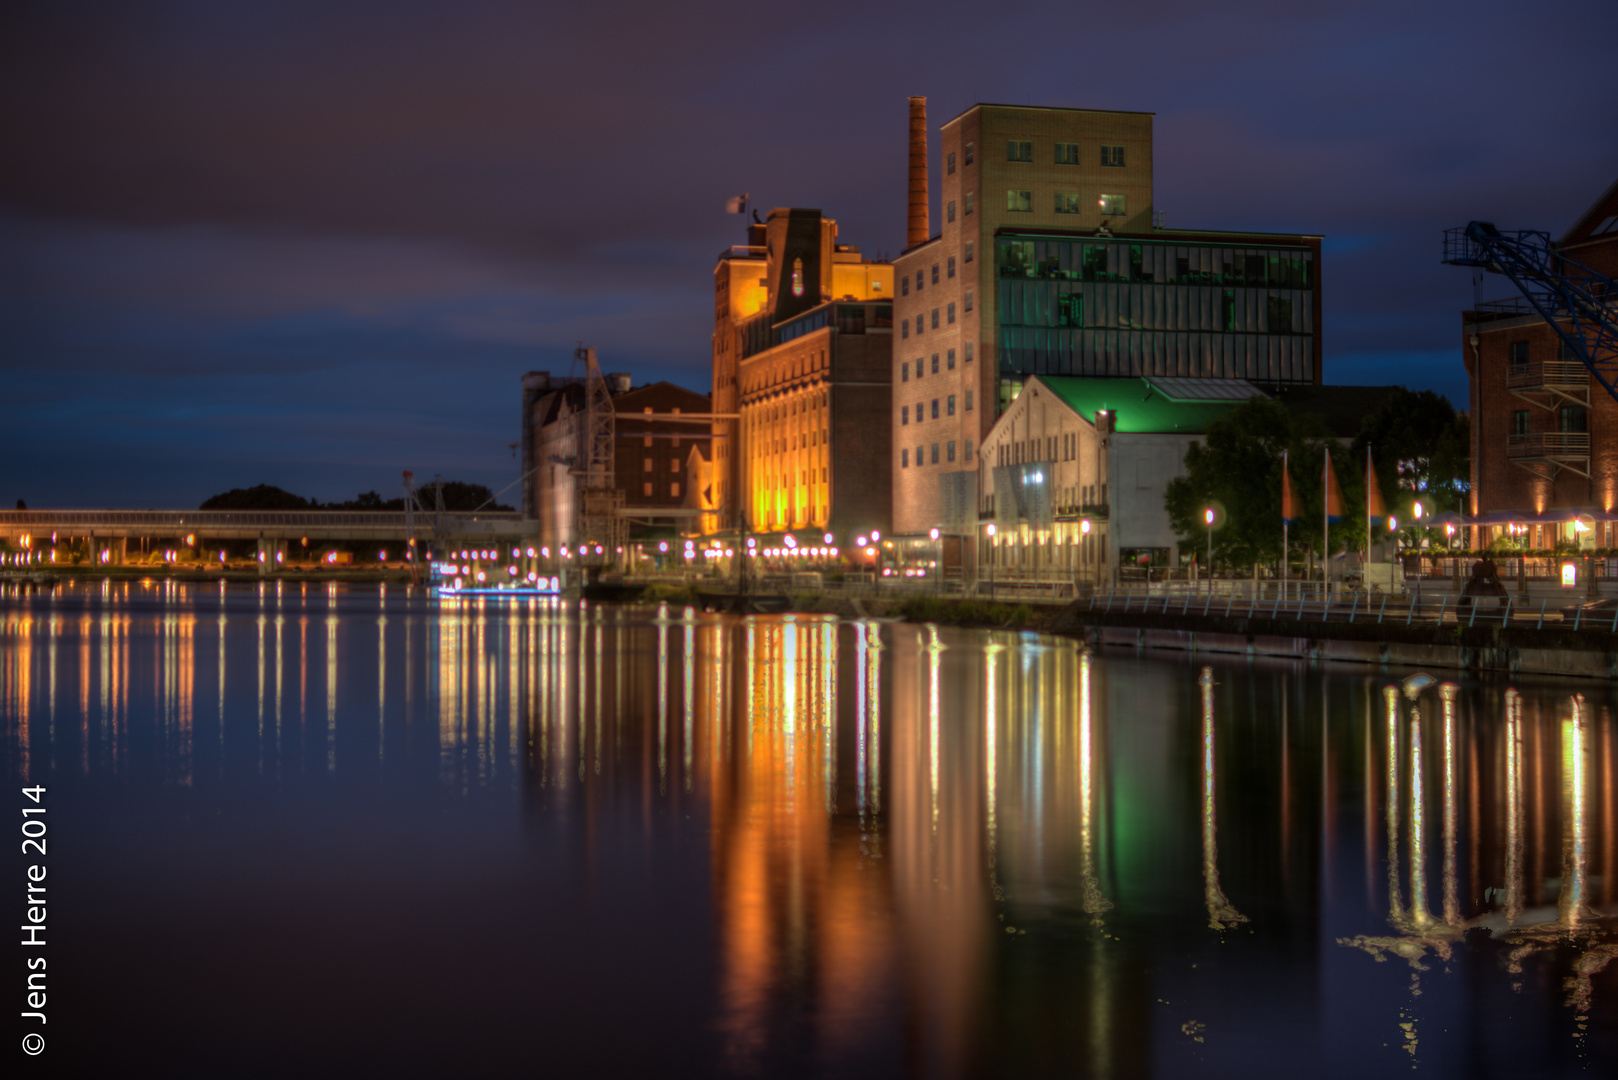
column 919, row 228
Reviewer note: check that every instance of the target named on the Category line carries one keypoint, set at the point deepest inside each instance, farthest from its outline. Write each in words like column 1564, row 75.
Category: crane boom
column 1576, row 301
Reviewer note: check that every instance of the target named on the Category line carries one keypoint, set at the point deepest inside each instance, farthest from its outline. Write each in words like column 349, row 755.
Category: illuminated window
column 646, row 441
column 1112, row 156
column 1019, row 150
column 1019, row 200
column 968, row 255
column 648, row 465
column 797, row 277
column 674, row 466
column 1067, row 153
column 1113, row 206
column 949, row 360
column 969, row 158
column 949, row 312
column 950, row 272
column 969, row 401
column 646, row 489
column 674, row 491
column 949, row 210
column 1067, row 202
column 966, row 201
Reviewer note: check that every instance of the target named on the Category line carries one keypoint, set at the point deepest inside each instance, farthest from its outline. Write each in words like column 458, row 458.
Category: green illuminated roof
column 1149, row 406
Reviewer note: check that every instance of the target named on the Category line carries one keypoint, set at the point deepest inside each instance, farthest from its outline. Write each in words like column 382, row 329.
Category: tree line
column 458, row 496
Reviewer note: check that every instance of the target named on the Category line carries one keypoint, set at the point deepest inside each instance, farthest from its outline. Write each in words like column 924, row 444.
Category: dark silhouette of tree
column 1419, row 445
column 258, row 497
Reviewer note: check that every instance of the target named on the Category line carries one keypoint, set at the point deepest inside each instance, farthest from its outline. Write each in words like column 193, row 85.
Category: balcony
column 1555, row 450
column 1550, row 383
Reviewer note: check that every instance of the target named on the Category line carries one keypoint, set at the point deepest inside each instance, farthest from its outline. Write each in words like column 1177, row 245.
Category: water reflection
column 947, row 852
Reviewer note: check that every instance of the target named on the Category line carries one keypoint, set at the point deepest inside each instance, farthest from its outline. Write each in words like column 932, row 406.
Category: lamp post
column 991, row 560
column 1416, row 512
column 938, row 561
column 1208, row 516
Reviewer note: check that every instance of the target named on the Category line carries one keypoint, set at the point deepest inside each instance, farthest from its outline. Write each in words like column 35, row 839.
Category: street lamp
column 938, row 560
column 1208, row 516
column 992, row 559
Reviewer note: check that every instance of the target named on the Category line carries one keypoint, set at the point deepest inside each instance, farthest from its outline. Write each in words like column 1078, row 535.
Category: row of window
column 1152, row 263
column 904, row 282
column 1570, row 420
column 1062, row 153
column 1021, row 201
column 646, row 490
column 674, row 465
column 921, row 320
column 1519, row 353
column 921, row 365
column 921, row 453
column 921, row 409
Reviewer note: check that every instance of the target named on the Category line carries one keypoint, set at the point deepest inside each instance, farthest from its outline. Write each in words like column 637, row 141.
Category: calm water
column 337, row 832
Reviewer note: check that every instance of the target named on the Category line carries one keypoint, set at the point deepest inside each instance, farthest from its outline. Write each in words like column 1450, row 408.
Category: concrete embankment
column 1511, row 649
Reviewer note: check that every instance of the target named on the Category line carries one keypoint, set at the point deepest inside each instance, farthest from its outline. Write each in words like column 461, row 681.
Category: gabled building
column 1074, row 471
column 1544, row 431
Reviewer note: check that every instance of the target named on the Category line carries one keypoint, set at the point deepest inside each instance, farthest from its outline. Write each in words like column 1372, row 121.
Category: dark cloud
column 246, row 237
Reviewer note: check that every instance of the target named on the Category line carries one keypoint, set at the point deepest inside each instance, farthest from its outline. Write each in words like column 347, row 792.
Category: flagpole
column 1284, row 525
column 1366, row 559
column 1325, row 520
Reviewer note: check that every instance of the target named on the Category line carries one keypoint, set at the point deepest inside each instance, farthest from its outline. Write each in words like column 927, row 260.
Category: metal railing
column 1548, row 373
column 1543, row 443
column 1358, row 606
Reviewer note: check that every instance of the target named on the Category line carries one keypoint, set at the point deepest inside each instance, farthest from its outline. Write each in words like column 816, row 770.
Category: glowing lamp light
column 790, row 541
column 480, row 575
column 1416, row 510
column 662, row 545
column 545, row 552
column 1393, row 523
column 191, row 539
column 278, row 556
column 512, row 570
column 1570, row 575
column 991, row 528
column 261, row 556
column 932, row 533
column 530, row 552
column 1208, row 516
column 827, row 538
column 1084, row 526
column 729, row 552
column 752, row 542
column 860, row 541
column 382, row 556
column 876, row 534
column 871, row 551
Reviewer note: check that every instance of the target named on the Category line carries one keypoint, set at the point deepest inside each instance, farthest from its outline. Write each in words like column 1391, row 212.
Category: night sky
column 315, row 244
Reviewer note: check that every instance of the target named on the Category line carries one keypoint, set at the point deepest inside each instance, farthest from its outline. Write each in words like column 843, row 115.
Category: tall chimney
column 919, row 228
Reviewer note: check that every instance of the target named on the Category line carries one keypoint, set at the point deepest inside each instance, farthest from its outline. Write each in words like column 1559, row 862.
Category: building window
column 1519, row 424
column 935, row 453
column 949, row 312
column 966, row 200
column 904, row 330
column 969, row 344
column 921, row 456
column 966, row 451
column 1019, row 150
column 904, row 458
column 969, row 401
column 648, row 465
column 950, row 267
column 968, row 153
column 920, row 324
column 949, row 210
column 935, row 363
column 647, row 441
column 904, row 285
column 969, row 308
column 1113, row 206
column 1519, row 354
column 949, row 164
column 1112, row 157
column 1575, row 420
column 646, row 489
column 797, row 277
column 674, row 465
column 1067, row 202
column 674, row 491
column 949, row 450
column 949, row 360
column 968, row 255
column 904, row 415
column 935, row 318
column 1019, row 200
column 935, row 408
column 1067, row 153
column 919, row 280
column 949, row 406
column 904, row 371
column 1280, row 315
column 935, row 273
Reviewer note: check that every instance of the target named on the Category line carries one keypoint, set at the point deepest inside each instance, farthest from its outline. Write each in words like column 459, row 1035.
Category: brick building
column 1544, row 431
column 1049, row 263
column 802, row 356
column 650, row 454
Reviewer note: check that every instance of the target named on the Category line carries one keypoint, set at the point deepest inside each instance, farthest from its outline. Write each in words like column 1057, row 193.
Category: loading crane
column 1574, row 300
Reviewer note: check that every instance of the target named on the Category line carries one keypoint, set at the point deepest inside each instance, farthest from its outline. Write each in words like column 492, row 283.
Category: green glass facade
column 1128, row 307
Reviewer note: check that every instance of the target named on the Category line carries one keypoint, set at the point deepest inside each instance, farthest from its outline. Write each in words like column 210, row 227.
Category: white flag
column 736, row 205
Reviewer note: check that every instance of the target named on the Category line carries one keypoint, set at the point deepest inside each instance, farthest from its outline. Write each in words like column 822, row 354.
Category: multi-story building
column 651, row 450
column 1544, row 431
column 1048, row 263
column 801, row 365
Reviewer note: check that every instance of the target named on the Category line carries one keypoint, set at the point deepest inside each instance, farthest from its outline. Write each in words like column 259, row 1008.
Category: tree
column 1237, row 466
column 258, row 497
column 1419, row 445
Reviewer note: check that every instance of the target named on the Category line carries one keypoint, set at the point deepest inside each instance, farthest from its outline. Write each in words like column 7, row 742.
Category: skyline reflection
column 953, row 852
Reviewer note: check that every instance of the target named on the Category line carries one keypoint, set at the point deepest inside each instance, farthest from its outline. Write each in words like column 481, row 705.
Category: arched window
column 797, row 277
